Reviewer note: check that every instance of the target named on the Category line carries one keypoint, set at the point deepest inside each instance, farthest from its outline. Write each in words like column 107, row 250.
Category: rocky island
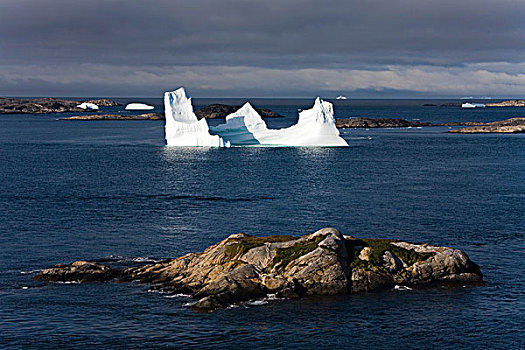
column 220, row 111
column 46, row 105
column 508, row 126
column 509, row 103
column 146, row 116
column 369, row 123
column 244, row 267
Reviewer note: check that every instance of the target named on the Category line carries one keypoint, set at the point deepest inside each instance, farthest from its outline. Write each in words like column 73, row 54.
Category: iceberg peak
column 183, row 128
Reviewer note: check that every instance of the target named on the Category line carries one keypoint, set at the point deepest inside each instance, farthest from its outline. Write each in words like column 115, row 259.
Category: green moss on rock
column 243, row 244
column 378, row 247
column 284, row 256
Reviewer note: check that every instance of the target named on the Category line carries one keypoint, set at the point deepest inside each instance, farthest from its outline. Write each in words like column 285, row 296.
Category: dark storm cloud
column 283, row 35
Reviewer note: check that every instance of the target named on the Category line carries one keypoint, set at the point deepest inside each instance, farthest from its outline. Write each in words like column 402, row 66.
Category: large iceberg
column 183, row 128
column 315, row 127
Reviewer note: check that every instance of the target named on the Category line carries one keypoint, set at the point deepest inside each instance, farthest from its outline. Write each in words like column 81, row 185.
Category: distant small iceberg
column 472, row 105
column 138, row 107
column 341, row 97
column 88, row 105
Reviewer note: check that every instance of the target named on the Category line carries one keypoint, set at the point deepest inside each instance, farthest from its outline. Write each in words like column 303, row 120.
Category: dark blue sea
column 111, row 190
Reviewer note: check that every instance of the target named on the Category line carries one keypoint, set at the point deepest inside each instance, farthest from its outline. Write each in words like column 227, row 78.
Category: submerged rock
column 244, row 267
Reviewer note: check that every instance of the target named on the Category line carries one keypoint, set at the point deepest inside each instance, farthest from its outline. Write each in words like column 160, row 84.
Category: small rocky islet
column 145, row 116
column 512, row 125
column 244, row 267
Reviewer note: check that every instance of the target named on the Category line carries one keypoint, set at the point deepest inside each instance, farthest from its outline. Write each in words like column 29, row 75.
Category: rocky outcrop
column 509, row 103
column 358, row 123
column 451, row 104
column 244, row 267
column 146, row 116
column 513, row 125
column 45, row 105
column 104, row 102
column 220, row 111
column 369, row 123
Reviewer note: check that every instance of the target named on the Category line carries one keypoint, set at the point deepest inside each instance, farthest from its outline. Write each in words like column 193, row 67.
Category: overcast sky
column 270, row 48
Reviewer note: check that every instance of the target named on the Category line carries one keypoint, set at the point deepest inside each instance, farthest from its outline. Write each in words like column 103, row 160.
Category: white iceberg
column 138, row 107
column 315, row 127
column 182, row 125
column 472, row 105
column 87, row 105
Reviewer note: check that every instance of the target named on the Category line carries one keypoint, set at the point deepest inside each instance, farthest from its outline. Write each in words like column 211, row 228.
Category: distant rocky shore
column 46, row 105
column 508, row 103
column 56, row 105
column 513, row 125
column 244, row 267
column 368, row 123
column 146, row 116
column 508, row 126
column 214, row 111
column 220, row 111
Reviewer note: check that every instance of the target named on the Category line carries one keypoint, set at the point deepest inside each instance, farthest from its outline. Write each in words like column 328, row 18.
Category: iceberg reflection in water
column 315, row 127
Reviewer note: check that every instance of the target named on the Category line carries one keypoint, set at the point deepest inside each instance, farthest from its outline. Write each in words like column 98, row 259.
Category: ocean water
column 112, row 190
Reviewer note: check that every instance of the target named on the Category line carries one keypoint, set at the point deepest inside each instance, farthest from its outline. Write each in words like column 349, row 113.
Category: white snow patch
column 87, row 105
column 138, row 107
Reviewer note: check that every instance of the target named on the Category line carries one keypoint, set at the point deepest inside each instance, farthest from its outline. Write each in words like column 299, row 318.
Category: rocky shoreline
column 513, row 125
column 244, row 267
column 508, row 126
column 46, row 105
column 509, row 103
column 369, row 123
column 220, row 111
column 146, row 116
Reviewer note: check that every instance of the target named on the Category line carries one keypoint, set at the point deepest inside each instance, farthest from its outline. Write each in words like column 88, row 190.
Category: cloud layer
column 270, row 48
